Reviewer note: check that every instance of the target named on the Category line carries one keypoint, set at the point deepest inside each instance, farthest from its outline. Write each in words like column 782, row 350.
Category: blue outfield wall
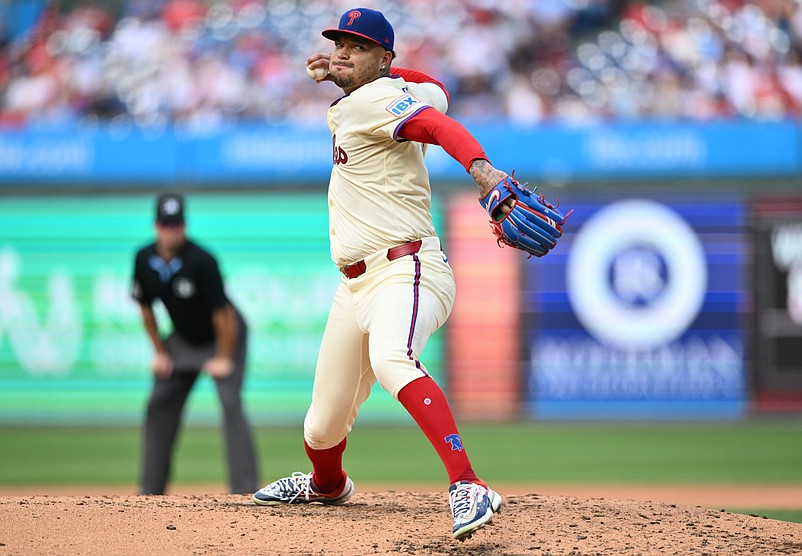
column 277, row 154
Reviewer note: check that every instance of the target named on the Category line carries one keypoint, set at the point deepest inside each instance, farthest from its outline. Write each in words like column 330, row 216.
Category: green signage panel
column 72, row 345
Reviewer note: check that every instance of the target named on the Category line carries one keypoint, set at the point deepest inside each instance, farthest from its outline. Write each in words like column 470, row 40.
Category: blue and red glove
column 533, row 225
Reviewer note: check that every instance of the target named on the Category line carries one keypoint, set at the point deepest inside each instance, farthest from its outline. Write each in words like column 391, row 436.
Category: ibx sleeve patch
column 402, row 104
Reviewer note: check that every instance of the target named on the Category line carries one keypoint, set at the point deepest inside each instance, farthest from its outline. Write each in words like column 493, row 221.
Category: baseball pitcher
column 397, row 287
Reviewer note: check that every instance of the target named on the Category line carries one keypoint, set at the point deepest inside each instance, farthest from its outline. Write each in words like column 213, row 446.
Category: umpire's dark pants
column 165, row 408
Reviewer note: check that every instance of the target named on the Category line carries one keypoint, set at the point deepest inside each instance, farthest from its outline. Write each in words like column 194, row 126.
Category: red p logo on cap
column 362, row 22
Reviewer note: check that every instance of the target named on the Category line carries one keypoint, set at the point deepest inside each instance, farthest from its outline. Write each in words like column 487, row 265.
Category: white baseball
column 317, row 73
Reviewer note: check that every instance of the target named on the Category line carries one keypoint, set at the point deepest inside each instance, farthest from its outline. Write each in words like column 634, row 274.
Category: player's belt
column 358, row 268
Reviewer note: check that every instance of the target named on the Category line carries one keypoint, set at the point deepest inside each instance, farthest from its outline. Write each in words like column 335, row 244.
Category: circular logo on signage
column 636, row 274
column 183, row 288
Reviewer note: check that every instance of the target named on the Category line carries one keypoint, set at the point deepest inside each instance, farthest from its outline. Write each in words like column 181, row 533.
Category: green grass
column 781, row 515
column 754, row 452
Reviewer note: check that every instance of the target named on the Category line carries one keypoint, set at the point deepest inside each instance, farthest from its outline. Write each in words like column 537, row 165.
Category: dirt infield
column 378, row 522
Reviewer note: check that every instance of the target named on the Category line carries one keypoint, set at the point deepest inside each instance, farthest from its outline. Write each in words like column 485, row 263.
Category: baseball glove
column 533, row 225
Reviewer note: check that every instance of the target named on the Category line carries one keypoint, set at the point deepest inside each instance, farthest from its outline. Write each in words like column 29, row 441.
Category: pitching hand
column 319, row 60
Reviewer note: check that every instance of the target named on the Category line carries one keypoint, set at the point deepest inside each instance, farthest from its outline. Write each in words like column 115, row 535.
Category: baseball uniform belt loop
column 358, row 268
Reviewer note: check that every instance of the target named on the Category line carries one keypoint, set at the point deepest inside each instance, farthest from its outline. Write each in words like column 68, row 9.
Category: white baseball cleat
column 473, row 507
column 297, row 489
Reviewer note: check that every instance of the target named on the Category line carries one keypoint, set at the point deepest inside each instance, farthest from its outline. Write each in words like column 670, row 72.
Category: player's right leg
column 343, row 379
column 472, row 502
column 416, row 302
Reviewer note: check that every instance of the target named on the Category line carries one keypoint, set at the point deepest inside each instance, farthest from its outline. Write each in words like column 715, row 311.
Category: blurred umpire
column 209, row 334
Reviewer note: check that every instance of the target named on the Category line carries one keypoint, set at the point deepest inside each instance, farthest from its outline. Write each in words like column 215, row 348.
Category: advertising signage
column 72, row 346
column 777, row 237
column 639, row 313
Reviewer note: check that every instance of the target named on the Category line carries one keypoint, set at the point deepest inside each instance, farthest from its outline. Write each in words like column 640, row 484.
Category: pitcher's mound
column 385, row 522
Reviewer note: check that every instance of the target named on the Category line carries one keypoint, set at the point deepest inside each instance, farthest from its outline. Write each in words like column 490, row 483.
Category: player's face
column 356, row 61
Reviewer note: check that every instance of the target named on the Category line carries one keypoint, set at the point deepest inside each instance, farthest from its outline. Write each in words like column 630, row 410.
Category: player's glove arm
column 529, row 223
column 432, row 127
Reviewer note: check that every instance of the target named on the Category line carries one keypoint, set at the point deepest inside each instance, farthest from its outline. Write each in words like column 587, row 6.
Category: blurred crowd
column 206, row 64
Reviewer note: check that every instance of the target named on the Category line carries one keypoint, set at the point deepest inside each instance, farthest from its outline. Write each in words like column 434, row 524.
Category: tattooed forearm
column 485, row 175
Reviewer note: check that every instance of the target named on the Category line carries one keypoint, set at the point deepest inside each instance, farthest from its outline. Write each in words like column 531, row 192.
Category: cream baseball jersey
column 379, row 192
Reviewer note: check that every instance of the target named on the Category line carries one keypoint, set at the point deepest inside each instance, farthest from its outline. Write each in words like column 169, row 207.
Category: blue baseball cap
column 366, row 23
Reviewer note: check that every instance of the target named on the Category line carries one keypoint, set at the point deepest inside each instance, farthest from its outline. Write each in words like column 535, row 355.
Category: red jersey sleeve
column 432, row 127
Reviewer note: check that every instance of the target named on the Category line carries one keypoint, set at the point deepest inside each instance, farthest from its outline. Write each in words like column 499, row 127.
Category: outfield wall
column 646, row 309
column 675, row 293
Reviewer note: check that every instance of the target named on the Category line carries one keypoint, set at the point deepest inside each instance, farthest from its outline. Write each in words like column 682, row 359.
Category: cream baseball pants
column 377, row 328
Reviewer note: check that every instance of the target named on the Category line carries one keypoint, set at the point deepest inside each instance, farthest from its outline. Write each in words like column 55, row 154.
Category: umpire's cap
column 170, row 209
column 365, row 23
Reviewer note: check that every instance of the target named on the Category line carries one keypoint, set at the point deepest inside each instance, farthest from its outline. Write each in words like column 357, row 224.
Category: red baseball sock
column 427, row 404
column 327, row 467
